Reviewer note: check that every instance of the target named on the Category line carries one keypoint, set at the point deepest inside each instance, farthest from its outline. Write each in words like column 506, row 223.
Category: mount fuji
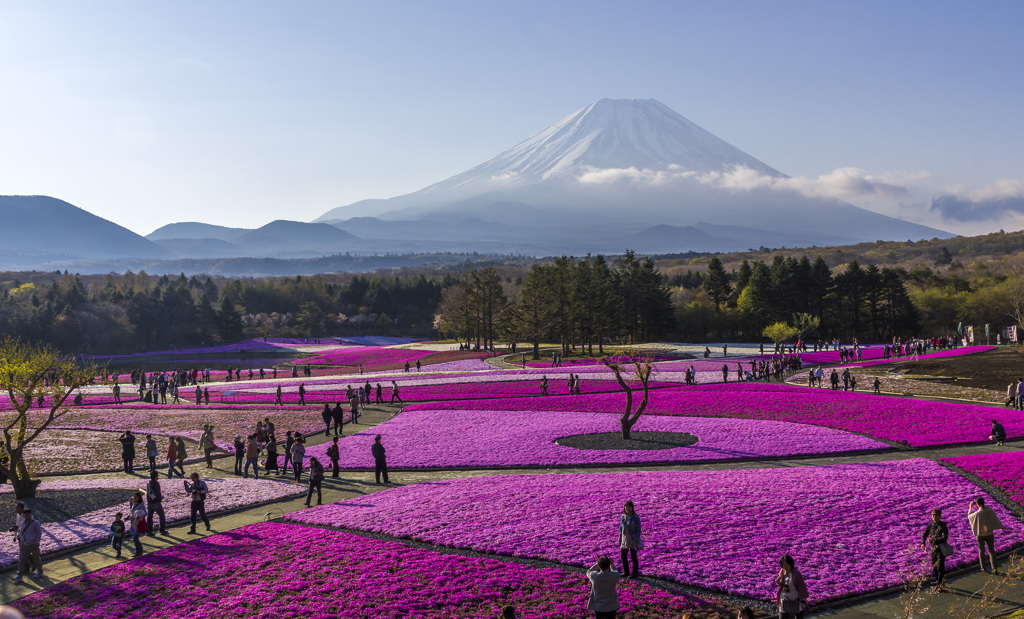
column 617, row 174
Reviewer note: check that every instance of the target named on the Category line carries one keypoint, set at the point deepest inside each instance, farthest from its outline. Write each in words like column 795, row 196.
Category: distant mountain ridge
column 614, row 175
column 49, row 228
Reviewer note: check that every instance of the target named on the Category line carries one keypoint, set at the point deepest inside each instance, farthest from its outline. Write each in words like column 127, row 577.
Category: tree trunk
column 21, row 481
column 627, row 425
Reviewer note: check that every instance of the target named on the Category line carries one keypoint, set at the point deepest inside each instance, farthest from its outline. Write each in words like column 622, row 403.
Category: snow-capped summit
column 615, row 133
column 643, row 134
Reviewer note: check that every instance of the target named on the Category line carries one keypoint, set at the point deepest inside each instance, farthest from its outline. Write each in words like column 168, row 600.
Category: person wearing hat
column 792, row 593
column 379, row 460
column 206, row 442
column 239, row 454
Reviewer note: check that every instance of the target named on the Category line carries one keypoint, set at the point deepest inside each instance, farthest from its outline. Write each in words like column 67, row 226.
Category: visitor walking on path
column 544, row 385
column 182, row 455
column 239, row 454
column 604, row 593
column 394, row 392
column 316, row 480
column 277, row 396
column 302, row 394
column 117, row 533
column 151, row 452
column 1011, row 393
column 984, row 524
column 198, row 491
column 630, row 540
column 792, row 593
column 380, row 463
column 137, row 520
column 298, row 453
column 328, row 416
column 998, row 432
column 206, row 442
column 172, row 456
column 725, row 373
column 288, row 442
column 155, row 503
column 936, row 535
column 271, row 462
column 252, row 454
column 30, row 533
column 335, row 456
column 338, row 417
column 127, row 440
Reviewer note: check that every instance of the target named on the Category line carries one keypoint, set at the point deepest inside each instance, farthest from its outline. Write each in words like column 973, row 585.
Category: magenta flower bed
column 294, row 572
column 369, row 356
column 1003, row 470
column 527, row 438
column 848, row 526
column 224, row 494
column 919, row 423
column 440, row 390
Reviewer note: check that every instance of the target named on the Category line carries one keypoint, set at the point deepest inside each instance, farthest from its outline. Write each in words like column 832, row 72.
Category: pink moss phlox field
column 848, row 526
column 224, row 494
column 293, row 572
column 920, row 423
column 440, row 391
column 366, row 355
column 527, row 438
column 1003, row 470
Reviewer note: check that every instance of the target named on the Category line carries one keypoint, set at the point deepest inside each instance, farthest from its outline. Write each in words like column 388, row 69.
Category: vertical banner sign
column 1011, row 333
column 970, row 334
column 986, row 330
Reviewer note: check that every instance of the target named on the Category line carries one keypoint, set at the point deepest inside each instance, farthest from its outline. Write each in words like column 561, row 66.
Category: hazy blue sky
column 238, row 113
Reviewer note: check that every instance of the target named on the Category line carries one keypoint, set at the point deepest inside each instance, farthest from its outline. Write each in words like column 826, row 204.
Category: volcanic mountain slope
column 41, row 229
column 618, row 167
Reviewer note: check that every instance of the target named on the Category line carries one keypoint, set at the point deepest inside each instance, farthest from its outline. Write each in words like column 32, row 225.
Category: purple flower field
column 366, row 355
column 527, row 438
column 1003, row 470
column 224, row 494
column 919, row 423
column 320, row 574
column 848, row 526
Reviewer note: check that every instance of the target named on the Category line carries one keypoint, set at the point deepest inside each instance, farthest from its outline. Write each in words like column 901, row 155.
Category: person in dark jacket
column 288, row 442
column 316, row 479
column 239, row 453
column 379, row 460
column 935, row 535
column 338, row 415
column 155, row 504
column 998, row 432
column 792, row 593
column 327, row 416
column 629, row 539
column 127, row 441
column 335, row 455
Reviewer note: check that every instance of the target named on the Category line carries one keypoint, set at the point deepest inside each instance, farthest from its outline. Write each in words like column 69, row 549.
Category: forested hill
column 905, row 254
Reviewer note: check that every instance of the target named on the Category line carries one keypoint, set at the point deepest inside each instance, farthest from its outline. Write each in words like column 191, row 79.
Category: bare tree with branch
column 643, row 368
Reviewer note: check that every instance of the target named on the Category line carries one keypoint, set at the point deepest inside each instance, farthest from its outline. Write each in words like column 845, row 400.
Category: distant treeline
column 574, row 301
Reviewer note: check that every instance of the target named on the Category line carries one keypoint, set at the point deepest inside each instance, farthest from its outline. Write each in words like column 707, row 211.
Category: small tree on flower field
column 27, row 372
column 643, row 368
column 780, row 332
